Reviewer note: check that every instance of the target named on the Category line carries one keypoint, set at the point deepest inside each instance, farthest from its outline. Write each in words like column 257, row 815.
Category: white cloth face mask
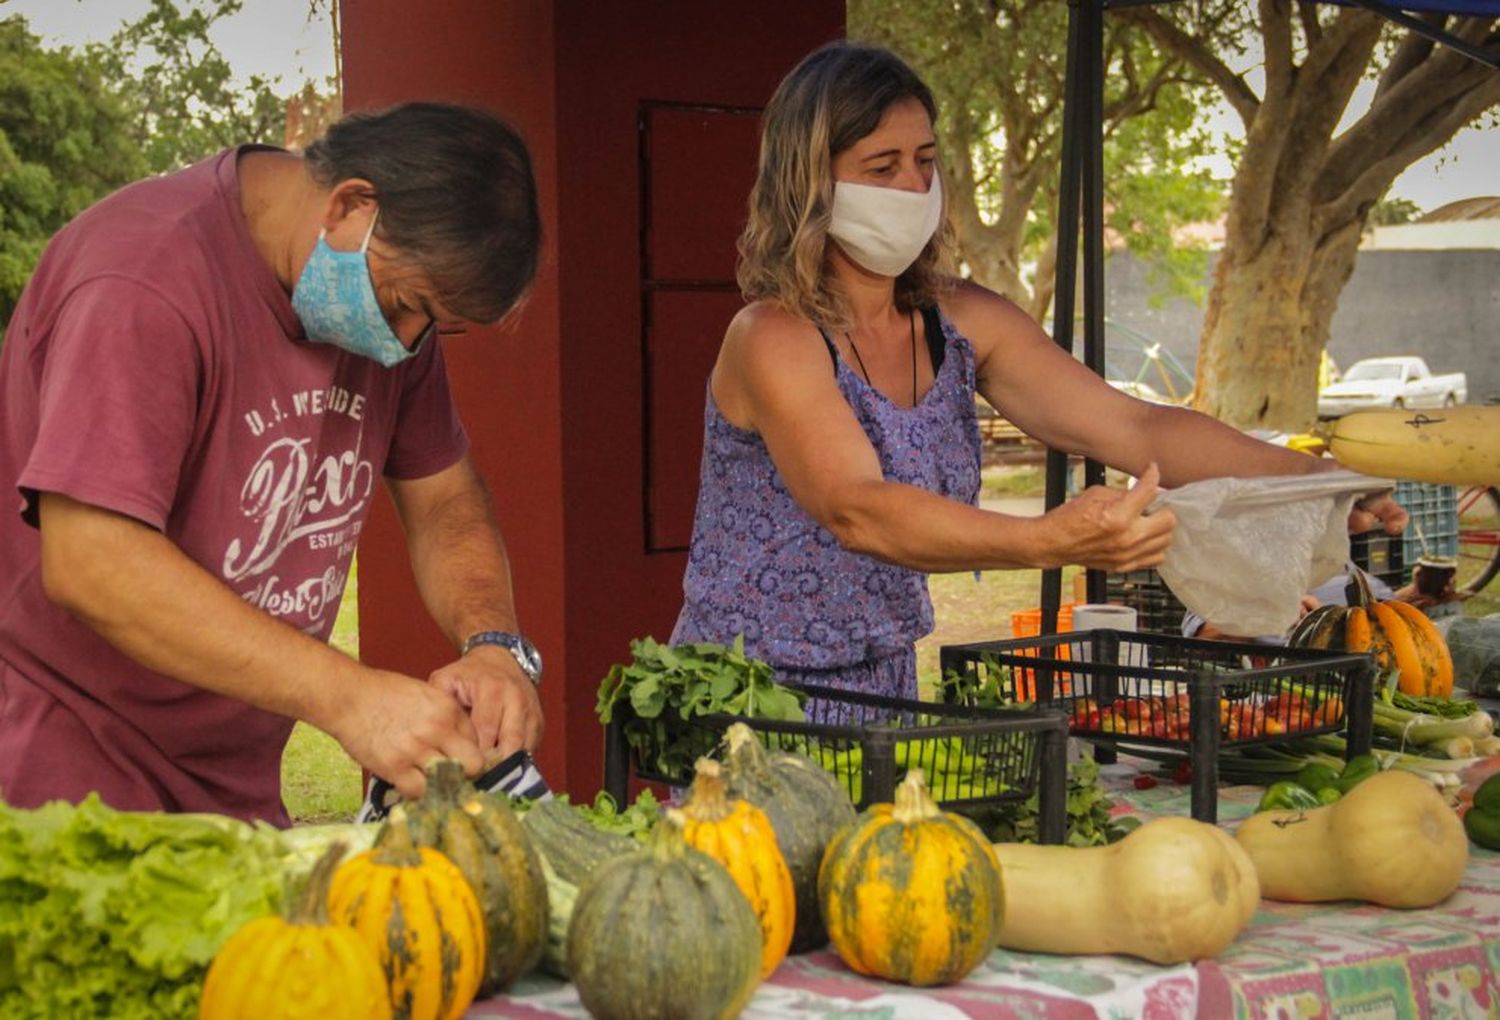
column 884, row 229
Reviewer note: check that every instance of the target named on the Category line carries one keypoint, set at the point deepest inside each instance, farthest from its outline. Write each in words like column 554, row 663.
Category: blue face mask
column 335, row 300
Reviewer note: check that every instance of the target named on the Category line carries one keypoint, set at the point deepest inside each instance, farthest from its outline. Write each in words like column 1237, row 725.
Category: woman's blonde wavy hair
column 829, row 101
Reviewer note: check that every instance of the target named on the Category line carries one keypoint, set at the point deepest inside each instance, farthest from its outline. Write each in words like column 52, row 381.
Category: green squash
column 481, row 835
column 806, row 807
column 663, row 932
column 571, row 849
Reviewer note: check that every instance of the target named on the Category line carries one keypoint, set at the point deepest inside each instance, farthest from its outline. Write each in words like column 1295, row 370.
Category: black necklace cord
column 911, row 319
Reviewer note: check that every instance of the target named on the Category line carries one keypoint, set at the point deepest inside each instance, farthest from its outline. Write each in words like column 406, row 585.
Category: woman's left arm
column 1053, row 397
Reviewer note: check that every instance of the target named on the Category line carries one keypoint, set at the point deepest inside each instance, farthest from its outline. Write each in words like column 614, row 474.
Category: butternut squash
column 1392, row 840
column 1173, row 890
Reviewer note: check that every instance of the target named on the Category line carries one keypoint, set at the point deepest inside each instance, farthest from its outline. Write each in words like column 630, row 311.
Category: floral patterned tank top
column 760, row 566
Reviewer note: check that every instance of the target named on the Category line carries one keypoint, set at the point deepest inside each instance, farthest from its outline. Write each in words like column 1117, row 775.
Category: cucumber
column 1483, row 827
column 1487, row 797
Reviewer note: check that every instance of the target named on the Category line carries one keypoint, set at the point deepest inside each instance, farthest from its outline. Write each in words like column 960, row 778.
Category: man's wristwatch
column 525, row 652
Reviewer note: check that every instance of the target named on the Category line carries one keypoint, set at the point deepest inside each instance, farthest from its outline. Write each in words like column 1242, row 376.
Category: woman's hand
column 1107, row 529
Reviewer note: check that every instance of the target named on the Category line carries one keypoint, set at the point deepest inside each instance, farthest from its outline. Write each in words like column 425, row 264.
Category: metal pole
column 1066, row 277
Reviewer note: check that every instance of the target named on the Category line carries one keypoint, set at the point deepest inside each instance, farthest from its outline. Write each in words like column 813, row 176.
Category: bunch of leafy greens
column 665, row 688
column 1089, row 821
column 106, row 913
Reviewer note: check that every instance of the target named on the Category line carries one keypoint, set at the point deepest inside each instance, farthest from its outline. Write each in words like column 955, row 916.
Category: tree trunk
column 1268, row 319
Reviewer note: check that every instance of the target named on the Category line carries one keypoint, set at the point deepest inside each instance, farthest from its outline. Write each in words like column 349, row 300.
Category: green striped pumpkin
column 663, row 932
column 911, row 893
column 806, row 806
column 481, row 834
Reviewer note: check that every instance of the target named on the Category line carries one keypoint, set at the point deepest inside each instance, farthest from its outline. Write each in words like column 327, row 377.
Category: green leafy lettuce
column 106, row 913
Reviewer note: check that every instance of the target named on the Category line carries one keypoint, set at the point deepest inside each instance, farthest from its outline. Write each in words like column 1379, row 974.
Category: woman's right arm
column 773, row 377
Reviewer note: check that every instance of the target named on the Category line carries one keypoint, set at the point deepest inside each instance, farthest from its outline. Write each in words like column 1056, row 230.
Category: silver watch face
column 527, row 655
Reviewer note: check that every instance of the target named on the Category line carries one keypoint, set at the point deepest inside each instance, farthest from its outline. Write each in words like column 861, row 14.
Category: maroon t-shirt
column 154, row 367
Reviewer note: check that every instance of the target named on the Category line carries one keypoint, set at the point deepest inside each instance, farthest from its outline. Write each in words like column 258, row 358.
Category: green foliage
column 997, row 70
column 180, row 87
column 65, row 141
column 1390, row 211
column 76, row 124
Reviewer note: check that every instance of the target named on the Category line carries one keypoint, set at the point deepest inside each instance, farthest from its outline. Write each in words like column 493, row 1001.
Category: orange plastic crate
column 1026, row 623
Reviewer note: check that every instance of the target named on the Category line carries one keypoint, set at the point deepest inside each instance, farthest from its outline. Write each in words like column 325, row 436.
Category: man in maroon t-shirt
column 203, row 383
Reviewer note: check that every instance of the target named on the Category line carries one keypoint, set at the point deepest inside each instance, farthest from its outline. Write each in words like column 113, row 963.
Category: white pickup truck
column 1391, row 382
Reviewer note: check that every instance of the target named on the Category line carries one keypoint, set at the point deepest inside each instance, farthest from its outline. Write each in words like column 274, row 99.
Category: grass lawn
column 319, row 782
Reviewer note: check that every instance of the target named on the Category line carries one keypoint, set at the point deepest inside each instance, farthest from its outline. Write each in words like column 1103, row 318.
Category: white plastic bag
column 1247, row 549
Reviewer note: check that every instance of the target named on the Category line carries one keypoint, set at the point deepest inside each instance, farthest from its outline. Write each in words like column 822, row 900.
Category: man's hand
column 396, row 725
column 501, row 699
column 1378, row 511
column 1108, row 529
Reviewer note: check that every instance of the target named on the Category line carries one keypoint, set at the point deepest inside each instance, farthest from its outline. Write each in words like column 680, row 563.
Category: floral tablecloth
column 1295, row 962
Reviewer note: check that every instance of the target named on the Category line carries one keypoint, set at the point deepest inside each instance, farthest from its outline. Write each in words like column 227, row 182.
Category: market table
column 1294, row 962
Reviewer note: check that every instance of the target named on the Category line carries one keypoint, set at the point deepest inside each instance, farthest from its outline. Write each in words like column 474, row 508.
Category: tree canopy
column 78, row 123
column 996, row 68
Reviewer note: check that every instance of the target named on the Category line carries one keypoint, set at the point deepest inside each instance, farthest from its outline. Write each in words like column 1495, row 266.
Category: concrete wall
column 1442, row 305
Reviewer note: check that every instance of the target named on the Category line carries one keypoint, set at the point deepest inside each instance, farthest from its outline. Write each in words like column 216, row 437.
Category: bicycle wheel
column 1478, row 538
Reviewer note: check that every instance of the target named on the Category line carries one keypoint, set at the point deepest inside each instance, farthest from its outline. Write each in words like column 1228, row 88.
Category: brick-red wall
column 586, row 415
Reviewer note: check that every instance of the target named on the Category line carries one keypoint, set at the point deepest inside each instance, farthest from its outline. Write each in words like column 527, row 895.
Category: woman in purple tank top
column 841, row 452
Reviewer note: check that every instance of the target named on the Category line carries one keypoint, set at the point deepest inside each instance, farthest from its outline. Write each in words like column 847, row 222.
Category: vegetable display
column 301, row 967
column 1398, row 633
column 481, row 835
column 1391, row 840
column 665, row 685
column 911, row 893
column 1173, row 890
column 806, row 808
column 663, row 932
column 417, row 910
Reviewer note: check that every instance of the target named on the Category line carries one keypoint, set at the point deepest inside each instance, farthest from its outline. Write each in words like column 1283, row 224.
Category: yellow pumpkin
column 1399, row 634
column 739, row 836
column 300, row 967
column 420, row 914
column 911, row 893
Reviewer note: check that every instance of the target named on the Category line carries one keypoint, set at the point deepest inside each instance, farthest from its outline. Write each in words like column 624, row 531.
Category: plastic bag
column 1475, row 647
column 1247, row 549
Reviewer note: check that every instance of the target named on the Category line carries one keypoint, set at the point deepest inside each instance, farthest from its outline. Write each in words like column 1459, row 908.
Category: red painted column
column 586, row 415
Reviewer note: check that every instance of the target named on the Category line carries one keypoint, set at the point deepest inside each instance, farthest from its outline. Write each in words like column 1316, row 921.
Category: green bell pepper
column 1328, row 795
column 1356, row 771
column 1482, row 820
column 1316, row 776
column 1287, row 796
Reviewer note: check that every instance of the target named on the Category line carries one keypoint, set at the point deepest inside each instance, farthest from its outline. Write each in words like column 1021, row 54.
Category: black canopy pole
column 1066, row 276
column 1093, row 236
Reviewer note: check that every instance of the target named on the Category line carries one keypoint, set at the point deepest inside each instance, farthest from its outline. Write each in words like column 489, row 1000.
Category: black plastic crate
column 1381, row 555
column 1172, row 694
column 868, row 742
column 1157, row 609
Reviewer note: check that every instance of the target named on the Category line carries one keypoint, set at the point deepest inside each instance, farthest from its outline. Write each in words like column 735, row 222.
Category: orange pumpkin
column 739, row 836
column 1399, row 634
